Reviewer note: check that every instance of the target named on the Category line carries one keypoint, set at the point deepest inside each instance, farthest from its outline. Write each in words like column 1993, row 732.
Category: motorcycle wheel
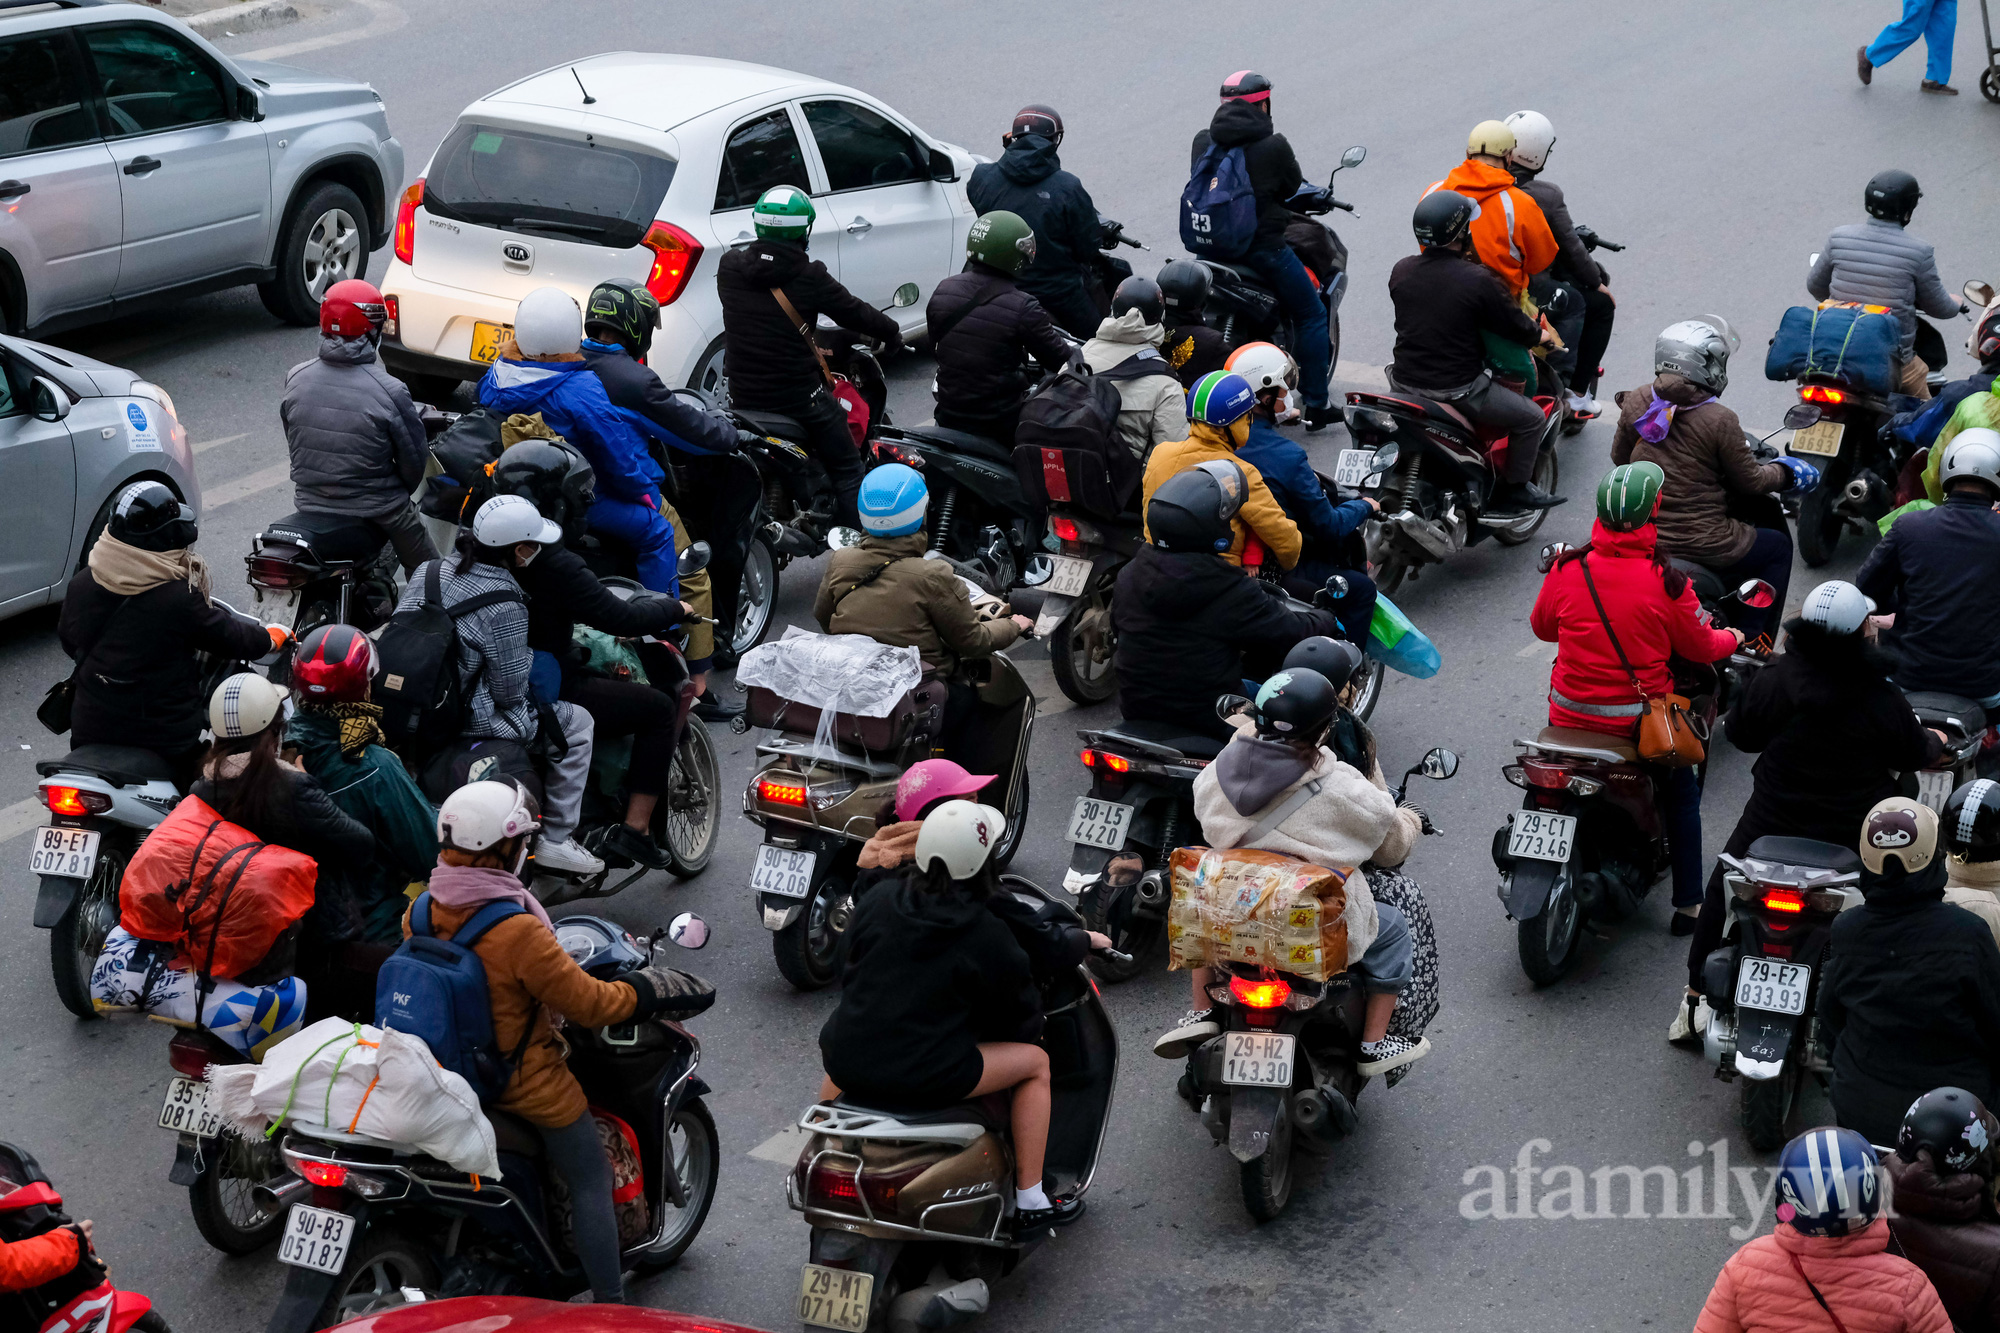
column 383, row 1263
column 1546, row 475
column 685, row 824
column 1267, row 1180
column 1767, row 1107
column 314, row 614
column 224, row 1213
column 78, row 937
column 1819, row 526
column 697, row 1152
column 1138, row 943
column 1371, row 691
column 808, row 950
column 1079, row 674
column 757, row 595
column 1548, row 940
column 1389, row 572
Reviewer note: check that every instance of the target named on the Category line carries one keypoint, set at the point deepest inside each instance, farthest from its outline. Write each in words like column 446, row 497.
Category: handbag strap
column 1284, row 810
column 1800, row 1269
column 1583, row 563
column 799, row 323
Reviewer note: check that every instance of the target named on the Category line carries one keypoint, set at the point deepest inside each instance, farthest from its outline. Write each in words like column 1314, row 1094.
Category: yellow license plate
column 1822, row 438
column 835, row 1298
column 487, row 338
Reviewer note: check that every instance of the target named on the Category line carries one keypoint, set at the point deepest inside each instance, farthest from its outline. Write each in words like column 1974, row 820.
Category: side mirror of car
column 51, row 401
column 1756, row 594
column 942, row 167
column 688, row 930
column 249, row 104
column 1978, row 293
column 1439, row 764
column 1385, row 457
column 1551, row 553
column 1801, row 415
column 1229, row 705
column 694, row 560
column 1354, row 156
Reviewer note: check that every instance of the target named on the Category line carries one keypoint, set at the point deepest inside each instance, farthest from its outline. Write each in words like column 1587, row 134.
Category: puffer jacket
column 1871, row 1290
column 1509, row 232
column 493, row 654
column 1029, row 180
column 357, row 443
column 572, row 400
column 1880, row 262
column 1975, row 886
column 1260, row 514
column 1573, row 264
column 1286, row 469
column 1650, row 624
column 1705, row 458
column 637, row 387
column 982, row 360
column 910, row 602
column 1151, row 409
column 1946, row 1225
column 1274, row 169
column 769, row 364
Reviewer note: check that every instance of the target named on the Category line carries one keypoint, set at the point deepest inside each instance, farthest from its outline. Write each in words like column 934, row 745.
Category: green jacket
column 377, row 790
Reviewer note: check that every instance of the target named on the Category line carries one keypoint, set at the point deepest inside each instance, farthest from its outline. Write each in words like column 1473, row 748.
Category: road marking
column 387, row 18
column 782, row 1147
column 1545, row 652
column 20, row 817
column 206, row 445
column 229, row 492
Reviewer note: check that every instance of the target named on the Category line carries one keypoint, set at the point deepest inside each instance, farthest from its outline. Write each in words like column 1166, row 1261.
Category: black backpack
column 1067, row 450
column 416, row 663
column 464, row 451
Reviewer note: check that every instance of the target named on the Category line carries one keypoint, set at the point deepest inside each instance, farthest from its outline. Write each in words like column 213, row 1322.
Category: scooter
column 327, row 569
column 30, row 1206
column 1103, row 270
column 1570, row 326
column 1963, row 724
column 1076, row 606
column 221, row 1170
column 981, row 520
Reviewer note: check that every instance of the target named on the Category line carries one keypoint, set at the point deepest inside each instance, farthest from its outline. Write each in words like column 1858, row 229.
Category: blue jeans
column 1936, row 21
column 646, row 531
column 1769, row 559
column 1307, row 315
column 1684, row 834
column 1391, row 958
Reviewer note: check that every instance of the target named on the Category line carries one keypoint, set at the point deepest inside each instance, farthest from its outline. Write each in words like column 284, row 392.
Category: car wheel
column 325, row 241
column 708, row 376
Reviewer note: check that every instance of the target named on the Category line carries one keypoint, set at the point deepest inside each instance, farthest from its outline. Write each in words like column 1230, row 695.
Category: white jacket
column 1975, row 886
column 1151, row 409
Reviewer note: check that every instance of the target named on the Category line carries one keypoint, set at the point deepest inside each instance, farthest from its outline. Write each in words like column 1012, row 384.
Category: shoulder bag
column 1669, row 732
column 805, row 331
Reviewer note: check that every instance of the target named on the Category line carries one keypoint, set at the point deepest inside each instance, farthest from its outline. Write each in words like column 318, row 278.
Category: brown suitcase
column 918, row 712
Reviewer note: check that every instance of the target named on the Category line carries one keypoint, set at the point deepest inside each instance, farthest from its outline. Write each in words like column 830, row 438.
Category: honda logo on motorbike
column 517, row 253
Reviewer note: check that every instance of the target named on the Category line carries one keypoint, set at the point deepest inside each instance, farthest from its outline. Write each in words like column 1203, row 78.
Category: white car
column 644, row 167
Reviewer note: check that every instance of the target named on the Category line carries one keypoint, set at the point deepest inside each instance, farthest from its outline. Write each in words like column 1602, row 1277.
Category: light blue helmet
column 893, row 500
column 1827, row 1184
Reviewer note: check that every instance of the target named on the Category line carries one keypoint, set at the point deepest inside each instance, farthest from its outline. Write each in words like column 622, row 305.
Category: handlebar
column 1111, row 233
column 1592, row 241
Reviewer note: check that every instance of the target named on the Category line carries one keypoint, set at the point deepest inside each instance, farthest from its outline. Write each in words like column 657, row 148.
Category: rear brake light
column 392, row 326
column 830, row 1184
column 75, row 800
column 332, row 1175
column 1820, row 393
column 406, row 220
column 276, row 572
column 189, row 1056
column 896, row 453
column 782, row 790
column 1116, row 763
column 1540, row 773
column 1785, row 900
column 1259, row 994
column 675, row 253
column 1064, row 529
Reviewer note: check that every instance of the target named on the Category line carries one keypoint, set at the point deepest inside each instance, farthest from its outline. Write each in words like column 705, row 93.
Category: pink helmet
column 934, row 780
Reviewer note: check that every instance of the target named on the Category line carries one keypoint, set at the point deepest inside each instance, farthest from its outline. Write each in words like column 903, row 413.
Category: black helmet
column 1892, row 195
column 554, row 478
column 1192, row 510
column 1442, row 217
column 1142, row 295
column 1184, row 287
column 1970, row 823
column 1246, row 85
column 624, row 313
column 1336, row 659
column 1296, row 705
column 1953, row 1124
column 150, row 516
column 1035, row 118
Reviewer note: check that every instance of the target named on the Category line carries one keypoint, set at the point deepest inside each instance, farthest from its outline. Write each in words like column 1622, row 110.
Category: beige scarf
column 128, row 571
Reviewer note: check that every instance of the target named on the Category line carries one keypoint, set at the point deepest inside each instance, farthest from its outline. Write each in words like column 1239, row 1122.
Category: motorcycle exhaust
column 280, row 1192
column 1434, row 539
column 1855, row 491
column 1718, row 1044
column 1310, row 1113
column 1589, row 891
column 1151, row 893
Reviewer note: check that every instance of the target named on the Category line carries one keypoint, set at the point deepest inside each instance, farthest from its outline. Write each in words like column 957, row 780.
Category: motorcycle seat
column 1575, row 738
column 513, row 1134
column 1171, row 734
column 1441, row 414
column 1806, row 852
column 1707, row 584
column 774, row 423
column 119, row 765
column 1241, row 272
column 334, row 538
column 1941, row 705
column 962, row 442
column 991, row 1111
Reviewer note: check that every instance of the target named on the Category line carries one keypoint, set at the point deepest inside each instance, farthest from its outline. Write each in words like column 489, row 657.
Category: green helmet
column 783, row 213
column 1628, row 495
column 1001, row 240
column 624, row 310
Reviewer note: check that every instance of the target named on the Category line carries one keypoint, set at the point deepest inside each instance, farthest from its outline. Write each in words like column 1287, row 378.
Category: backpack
column 1218, row 207
column 423, row 701
column 436, row 990
column 464, row 451
column 1067, row 450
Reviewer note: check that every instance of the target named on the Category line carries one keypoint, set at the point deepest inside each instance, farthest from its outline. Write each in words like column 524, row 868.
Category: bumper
column 400, row 361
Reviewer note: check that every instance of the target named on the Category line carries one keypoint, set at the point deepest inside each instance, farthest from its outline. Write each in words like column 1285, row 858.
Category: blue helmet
column 1220, row 398
column 1827, row 1183
column 893, row 500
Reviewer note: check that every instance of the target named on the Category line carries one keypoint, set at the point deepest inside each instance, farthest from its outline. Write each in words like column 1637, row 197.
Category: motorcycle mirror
column 1439, row 764
column 1385, row 458
column 1978, row 293
column 1801, row 415
column 1812, row 259
column 1336, row 587
column 1757, row 594
column 1229, row 705
column 1551, row 553
column 694, row 559
column 906, row 295
column 840, row 539
column 688, row 930
column 1354, row 156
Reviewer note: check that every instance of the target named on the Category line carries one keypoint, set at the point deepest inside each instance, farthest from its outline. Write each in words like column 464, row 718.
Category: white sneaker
column 1583, row 405
column 1196, row 1026
column 567, row 857
column 1391, row 1053
column 1691, row 1017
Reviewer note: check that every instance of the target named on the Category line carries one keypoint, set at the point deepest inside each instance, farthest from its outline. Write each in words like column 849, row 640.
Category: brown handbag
column 1670, row 734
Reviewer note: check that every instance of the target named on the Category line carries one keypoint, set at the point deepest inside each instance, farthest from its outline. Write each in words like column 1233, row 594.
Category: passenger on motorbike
column 358, row 445
column 938, row 1004
column 1880, row 262
column 1191, row 346
column 486, row 830
column 1971, row 827
column 1589, row 332
column 985, row 328
column 1186, row 616
column 135, row 619
column 1153, row 407
column 1679, row 423
column 1444, row 304
column 1244, row 121
column 1909, row 992
column 1218, row 424
column 773, row 294
column 1511, row 237
column 1029, row 182
column 1961, row 405
column 1942, row 1177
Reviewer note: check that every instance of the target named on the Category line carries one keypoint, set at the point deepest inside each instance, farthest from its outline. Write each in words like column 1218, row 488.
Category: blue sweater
column 1289, row 474
column 572, row 401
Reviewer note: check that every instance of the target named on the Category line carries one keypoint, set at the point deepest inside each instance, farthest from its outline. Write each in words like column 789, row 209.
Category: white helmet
column 962, row 835
column 1533, row 137
column 481, row 814
column 1265, row 365
column 244, row 705
column 1836, row 607
column 548, row 322
column 1973, row 453
column 507, row 519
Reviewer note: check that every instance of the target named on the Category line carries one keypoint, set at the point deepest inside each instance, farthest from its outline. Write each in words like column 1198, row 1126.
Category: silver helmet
column 1698, row 350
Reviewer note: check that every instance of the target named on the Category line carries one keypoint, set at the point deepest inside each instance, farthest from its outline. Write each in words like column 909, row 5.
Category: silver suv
column 138, row 164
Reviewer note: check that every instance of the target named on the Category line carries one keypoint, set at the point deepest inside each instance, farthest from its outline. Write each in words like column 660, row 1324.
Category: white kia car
column 641, row 166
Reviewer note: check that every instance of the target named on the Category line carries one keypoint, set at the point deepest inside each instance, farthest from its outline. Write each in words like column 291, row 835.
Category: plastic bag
column 835, row 673
column 1394, row 640
column 1259, row 908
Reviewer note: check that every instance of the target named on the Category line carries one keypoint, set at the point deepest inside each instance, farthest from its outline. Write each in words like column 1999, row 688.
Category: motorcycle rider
column 486, row 829
column 1509, row 234
column 1678, row 422
column 134, row 619
column 1941, row 1177
column 357, row 443
column 1880, row 262
column 1184, row 613
column 1153, row 407
column 773, row 293
column 1244, row 121
column 1970, row 824
column 1909, row 991
column 1191, row 346
column 938, row 1003
column 1444, row 304
column 983, row 329
column 1218, row 424
column 1029, row 182
column 1588, row 332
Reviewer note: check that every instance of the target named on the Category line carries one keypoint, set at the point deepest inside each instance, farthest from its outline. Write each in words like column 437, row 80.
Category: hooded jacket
column 1975, row 886
column 1153, row 408
column 1705, row 457
column 374, row 789
column 1939, row 571
column 982, row 359
column 1947, row 1227
column 1273, row 167
column 1260, row 513
column 572, row 401
column 1028, row 179
column 911, row 602
column 1880, row 262
column 890, row 853
column 769, row 363
column 636, row 387
column 1871, row 1290
column 1509, row 232
column 357, row 443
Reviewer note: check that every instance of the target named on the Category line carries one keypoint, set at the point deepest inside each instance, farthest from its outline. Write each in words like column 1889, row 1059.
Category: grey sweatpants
column 563, row 788
column 578, row 1158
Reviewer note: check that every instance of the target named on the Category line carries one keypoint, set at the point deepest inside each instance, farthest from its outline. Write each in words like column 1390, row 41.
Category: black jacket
column 1939, row 571
column 563, row 591
column 634, row 386
column 1183, row 622
column 769, row 365
column 306, row 821
column 1909, row 999
column 140, row 684
column 1274, row 169
column 1050, row 946
column 1574, row 264
column 1193, row 349
column 927, row 978
column 1443, row 300
column 982, row 360
column 1029, row 180
column 1831, row 733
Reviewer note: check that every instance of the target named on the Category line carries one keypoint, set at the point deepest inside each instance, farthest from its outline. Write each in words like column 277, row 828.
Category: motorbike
column 981, row 519
column 30, row 1206
column 221, row 1169
column 1570, row 324
column 1763, row 983
column 913, row 1215
column 326, row 569
column 1075, row 614
column 369, row 1226
column 1963, row 724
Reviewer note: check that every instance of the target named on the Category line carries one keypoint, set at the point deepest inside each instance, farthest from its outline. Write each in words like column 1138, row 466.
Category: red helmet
column 334, row 664
column 352, row 309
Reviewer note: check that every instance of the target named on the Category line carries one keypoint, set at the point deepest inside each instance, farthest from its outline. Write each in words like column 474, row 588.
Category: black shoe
column 1319, row 418
column 1681, row 923
column 1521, row 497
column 724, row 658
column 1065, row 1212
column 625, row 841
column 711, row 707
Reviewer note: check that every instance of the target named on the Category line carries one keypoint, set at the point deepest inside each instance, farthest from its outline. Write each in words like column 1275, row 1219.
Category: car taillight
column 1821, row 393
column 1540, row 773
column 75, row 800
column 1259, row 994
column 780, row 789
column 1064, row 529
column 1785, row 900
column 392, row 324
column 1116, row 763
column 675, row 253
column 406, row 220
column 332, row 1175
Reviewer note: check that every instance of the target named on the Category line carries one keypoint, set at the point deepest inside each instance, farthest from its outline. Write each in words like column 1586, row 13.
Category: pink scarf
column 475, row 886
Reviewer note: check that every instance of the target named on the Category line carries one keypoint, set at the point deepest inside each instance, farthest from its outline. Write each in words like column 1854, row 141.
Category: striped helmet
column 1628, row 495
column 244, row 705
column 1220, row 398
column 1827, row 1184
column 783, row 213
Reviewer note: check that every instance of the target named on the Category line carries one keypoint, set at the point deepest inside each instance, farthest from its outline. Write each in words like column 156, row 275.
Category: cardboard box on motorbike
column 1257, row 908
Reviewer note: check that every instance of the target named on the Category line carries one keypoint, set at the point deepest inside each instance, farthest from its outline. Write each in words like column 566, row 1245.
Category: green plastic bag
column 1913, row 507
column 1394, row 640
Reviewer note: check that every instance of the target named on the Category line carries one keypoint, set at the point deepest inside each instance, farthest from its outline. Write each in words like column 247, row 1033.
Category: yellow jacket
column 1261, row 513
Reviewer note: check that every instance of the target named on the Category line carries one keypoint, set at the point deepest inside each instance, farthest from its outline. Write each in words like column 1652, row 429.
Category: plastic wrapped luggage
column 1853, row 343
column 1259, row 908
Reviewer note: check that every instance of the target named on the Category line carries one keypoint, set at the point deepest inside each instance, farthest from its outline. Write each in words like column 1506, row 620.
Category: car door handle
column 142, row 164
column 859, row 225
column 14, row 189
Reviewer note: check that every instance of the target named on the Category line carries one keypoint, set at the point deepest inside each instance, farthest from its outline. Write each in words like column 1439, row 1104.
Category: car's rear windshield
column 540, row 185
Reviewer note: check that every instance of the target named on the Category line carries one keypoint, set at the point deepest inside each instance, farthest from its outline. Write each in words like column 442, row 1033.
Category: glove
column 668, row 992
column 1804, row 475
column 1423, row 819
column 280, row 636
column 747, row 437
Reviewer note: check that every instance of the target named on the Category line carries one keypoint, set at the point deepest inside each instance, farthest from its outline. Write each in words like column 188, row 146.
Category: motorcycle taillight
column 1553, row 776
column 276, row 571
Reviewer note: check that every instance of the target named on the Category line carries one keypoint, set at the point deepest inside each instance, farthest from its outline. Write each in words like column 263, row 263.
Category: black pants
column 627, row 708
column 999, row 428
column 1598, row 313
column 719, row 506
column 829, row 440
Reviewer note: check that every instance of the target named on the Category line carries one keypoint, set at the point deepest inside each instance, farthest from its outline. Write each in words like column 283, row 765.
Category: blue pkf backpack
column 436, row 989
column 1218, row 207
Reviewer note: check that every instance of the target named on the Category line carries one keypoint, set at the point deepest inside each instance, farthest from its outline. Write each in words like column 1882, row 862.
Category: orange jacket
column 1872, row 1291
column 26, row 1264
column 1509, row 232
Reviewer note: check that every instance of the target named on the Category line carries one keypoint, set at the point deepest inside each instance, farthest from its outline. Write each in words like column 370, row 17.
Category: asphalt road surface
column 1718, row 141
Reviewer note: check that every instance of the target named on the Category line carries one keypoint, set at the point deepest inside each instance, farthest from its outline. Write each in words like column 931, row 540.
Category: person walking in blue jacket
column 1936, row 21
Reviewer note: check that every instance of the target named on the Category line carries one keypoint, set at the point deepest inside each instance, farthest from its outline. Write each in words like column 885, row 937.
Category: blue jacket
column 1289, row 474
column 572, row 401
column 1939, row 571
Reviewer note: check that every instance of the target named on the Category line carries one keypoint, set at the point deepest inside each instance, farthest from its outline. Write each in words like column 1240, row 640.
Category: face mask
column 525, row 560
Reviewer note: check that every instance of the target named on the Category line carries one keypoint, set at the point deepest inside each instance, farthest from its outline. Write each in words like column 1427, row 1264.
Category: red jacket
column 25, row 1264
column 1651, row 626
column 1759, row 1291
